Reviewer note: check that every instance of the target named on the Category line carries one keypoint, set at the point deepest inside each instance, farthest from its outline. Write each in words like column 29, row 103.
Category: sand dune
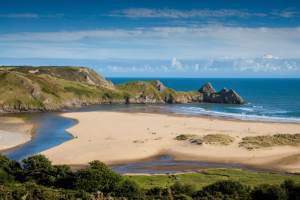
column 115, row 138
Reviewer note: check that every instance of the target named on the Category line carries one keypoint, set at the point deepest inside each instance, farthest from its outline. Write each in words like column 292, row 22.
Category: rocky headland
column 32, row 89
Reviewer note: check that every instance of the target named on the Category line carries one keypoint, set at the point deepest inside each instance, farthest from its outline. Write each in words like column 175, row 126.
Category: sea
column 268, row 99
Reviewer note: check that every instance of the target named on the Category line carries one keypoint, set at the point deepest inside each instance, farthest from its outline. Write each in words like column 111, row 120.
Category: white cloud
column 31, row 15
column 270, row 56
column 287, row 13
column 196, row 67
column 207, row 64
column 156, row 43
column 177, row 65
column 175, row 13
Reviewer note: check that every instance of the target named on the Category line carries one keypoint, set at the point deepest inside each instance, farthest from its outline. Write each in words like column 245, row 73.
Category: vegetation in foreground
column 268, row 141
column 38, row 179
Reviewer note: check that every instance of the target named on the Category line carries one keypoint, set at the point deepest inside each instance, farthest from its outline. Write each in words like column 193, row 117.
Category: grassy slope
column 60, row 84
column 210, row 176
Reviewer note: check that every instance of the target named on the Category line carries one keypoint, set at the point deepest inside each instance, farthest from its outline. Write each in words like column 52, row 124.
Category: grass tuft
column 185, row 136
column 215, row 139
column 268, row 141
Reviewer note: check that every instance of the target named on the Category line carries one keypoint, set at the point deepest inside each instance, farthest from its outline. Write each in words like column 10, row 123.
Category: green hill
column 25, row 88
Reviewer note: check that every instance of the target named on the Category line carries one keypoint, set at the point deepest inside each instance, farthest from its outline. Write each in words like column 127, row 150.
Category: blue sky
column 155, row 38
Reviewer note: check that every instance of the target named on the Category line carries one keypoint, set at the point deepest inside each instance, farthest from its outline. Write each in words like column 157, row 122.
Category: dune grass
column 184, row 136
column 214, row 139
column 257, row 142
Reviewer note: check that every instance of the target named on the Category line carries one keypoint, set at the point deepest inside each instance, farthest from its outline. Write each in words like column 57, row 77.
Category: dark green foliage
column 130, row 189
column 38, row 168
column 6, row 178
column 32, row 191
column 228, row 188
column 39, row 179
column 10, row 168
column 180, row 188
column 97, row 177
column 266, row 191
column 292, row 189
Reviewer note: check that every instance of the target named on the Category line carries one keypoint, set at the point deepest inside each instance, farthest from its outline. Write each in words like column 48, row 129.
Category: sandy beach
column 118, row 138
column 14, row 132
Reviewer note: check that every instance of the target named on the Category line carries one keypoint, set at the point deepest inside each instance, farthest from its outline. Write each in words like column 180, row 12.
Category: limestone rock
column 159, row 86
column 207, row 88
column 87, row 79
column 223, row 96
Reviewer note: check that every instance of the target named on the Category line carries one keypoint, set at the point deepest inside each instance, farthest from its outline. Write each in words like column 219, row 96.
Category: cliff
column 59, row 88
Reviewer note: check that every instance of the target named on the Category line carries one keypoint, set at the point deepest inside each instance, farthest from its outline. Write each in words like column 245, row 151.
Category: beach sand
column 119, row 138
column 14, row 132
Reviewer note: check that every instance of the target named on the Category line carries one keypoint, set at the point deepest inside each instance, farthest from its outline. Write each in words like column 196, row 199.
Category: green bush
column 10, row 169
column 187, row 188
column 97, row 177
column 5, row 177
column 228, row 188
column 266, row 191
column 38, row 168
column 130, row 189
column 291, row 188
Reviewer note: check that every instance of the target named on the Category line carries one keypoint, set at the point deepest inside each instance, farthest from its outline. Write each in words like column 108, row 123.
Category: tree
column 97, row 177
column 38, row 168
column 266, row 191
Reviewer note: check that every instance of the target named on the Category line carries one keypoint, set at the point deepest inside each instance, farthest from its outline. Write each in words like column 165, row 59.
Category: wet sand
column 121, row 138
column 14, row 132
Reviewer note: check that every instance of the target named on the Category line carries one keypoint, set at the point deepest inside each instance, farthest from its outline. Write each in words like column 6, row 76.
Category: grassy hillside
column 56, row 86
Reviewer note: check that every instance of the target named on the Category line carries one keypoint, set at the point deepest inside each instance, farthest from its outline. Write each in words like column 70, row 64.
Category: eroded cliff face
column 57, row 89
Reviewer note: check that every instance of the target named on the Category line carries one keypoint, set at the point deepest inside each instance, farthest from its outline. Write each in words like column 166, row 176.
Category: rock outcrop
column 159, row 86
column 223, row 96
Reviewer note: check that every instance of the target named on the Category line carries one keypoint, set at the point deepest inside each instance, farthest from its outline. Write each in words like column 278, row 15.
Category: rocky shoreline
column 206, row 94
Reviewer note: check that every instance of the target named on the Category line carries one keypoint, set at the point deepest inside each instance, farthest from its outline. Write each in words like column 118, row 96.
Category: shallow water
column 166, row 164
column 50, row 133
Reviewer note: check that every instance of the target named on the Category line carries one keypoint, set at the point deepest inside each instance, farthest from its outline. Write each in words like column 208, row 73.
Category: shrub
column 130, row 189
column 291, row 188
column 185, row 136
column 228, row 188
column 5, row 177
column 97, row 177
column 187, row 188
column 266, row 191
column 217, row 139
column 256, row 142
column 38, row 168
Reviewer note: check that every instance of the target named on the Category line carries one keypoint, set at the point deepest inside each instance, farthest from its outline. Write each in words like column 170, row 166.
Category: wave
column 242, row 116
column 258, row 107
column 245, row 109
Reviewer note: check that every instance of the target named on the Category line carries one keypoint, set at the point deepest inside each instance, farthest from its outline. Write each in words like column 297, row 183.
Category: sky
column 165, row 38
